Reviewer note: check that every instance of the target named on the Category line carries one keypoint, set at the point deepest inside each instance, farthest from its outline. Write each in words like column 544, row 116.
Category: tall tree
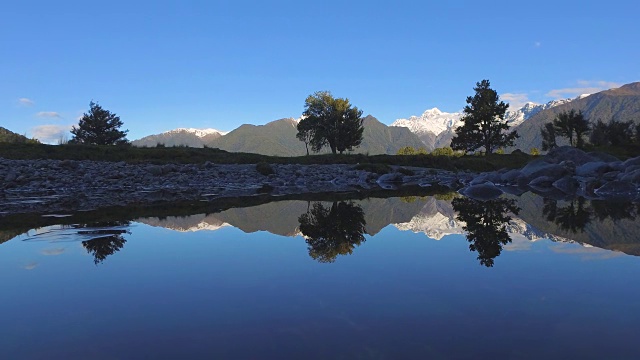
column 548, row 133
column 329, row 121
column 484, row 125
column 99, row 127
column 568, row 123
column 333, row 231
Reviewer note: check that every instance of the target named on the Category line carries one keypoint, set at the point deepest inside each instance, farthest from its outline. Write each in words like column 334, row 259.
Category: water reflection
column 105, row 243
column 332, row 231
column 486, row 225
column 572, row 217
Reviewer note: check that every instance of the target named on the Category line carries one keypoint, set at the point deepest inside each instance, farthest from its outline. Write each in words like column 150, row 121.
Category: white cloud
column 53, row 252
column 582, row 87
column 51, row 134
column 49, row 114
column 31, row 266
column 537, row 44
column 515, row 100
column 26, row 102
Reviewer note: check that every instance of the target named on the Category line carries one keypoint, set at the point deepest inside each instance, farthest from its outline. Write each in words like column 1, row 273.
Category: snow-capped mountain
column 197, row 132
column 435, row 127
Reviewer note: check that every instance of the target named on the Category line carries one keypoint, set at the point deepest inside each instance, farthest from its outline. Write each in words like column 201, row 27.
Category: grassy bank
column 160, row 155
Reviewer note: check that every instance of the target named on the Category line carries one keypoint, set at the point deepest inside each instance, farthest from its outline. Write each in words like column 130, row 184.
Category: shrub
column 535, row 151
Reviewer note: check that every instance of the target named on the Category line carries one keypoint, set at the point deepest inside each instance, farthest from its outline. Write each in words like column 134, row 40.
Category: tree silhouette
column 567, row 124
column 484, row 125
column 330, row 121
column 572, row 218
column 99, row 127
column 333, row 231
column 548, row 133
column 486, row 225
column 106, row 241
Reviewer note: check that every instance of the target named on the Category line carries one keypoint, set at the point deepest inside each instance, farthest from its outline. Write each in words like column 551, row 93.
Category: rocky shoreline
column 71, row 185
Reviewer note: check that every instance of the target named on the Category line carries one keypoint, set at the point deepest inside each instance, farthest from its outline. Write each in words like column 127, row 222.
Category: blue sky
column 160, row 65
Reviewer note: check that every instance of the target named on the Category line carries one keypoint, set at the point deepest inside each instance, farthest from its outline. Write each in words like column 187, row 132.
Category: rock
column 510, row 177
column 542, row 182
column 486, row 191
column 632, row 177
column 562, row 153
column 593, row 168
column 567, row 185
column 553, row 171
column 603, row 156
column 632, row 161
column 11, row 177
column 154, row 170
column 393, row 177
column 617, row 189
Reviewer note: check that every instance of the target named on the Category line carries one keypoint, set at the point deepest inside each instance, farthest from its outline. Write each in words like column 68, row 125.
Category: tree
column 567, row 124
column 484, row 123
column 548, row 133
column 599, row 134
column 329, row 121
column 486, row 225
column 333, row 231
column 99, row 127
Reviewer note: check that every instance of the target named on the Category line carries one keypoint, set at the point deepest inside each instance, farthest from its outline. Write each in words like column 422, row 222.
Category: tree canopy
column 573, row 126
column 484, row 125
column 329, row 121
column 99, row 127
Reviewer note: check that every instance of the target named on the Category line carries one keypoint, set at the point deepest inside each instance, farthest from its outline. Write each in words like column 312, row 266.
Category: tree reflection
column 486, row 225
column 105, row 239
column 333, row 231
column 572, row 218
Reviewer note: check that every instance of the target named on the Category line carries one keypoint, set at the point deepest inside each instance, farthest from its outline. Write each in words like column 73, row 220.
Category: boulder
column 542, row 182
column 593, row 168
column 632, row 161
column 603, row 156
column 617, row 189
column 632, row 177
column 486, row 191
column 562, row 153
column 510, row 177
column 567, row 185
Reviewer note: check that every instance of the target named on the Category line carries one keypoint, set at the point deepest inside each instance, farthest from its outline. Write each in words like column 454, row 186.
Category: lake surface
column 396, row 278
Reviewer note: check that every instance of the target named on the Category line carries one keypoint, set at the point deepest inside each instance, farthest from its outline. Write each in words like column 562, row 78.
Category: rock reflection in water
column 332, row 231
column 486, row 225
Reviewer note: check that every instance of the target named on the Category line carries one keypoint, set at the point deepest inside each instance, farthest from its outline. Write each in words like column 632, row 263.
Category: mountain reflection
column 104, row 241
column 573, row 217
column 486, row 225
column 332, row 231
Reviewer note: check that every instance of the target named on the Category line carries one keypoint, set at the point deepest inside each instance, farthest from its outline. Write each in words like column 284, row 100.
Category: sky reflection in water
column 138, row 290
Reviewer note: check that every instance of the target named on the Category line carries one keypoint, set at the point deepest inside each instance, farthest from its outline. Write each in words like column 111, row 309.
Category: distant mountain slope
column 11, row 137
column 622, row 104
column 180, row 137
column 275, row 138
column 279, row 138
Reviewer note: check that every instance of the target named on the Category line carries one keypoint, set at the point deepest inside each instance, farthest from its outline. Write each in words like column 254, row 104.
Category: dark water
column 395, row 278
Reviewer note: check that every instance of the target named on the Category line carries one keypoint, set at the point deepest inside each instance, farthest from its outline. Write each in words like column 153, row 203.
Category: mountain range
column 433, row 129
column 279, row 138
column 431, row 216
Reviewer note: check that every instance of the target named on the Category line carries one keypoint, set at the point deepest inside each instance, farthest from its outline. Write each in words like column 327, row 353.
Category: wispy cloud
column 515, row 100
column 31, row 266
column 582, row 87
column 26, row 102
column 53, row 252
column 49, row 114
column 50, row 133
column 537, row 44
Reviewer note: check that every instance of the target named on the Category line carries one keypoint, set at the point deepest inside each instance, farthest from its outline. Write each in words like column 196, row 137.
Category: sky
column 161, row 65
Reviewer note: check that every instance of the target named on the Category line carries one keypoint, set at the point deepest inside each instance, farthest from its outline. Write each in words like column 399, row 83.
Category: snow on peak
column 197, row 132
column 433, row 120
column 436, row 121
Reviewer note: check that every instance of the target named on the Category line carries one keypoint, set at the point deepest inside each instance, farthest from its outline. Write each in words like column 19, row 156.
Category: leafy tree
column 535, row 151
column 566, row 124
column 443, row 151
column 104, row 242
column 333, row 231
column 599, row 134
column 329, row 121
column 484, row 125
column 486, row 225
column 548, row 133
column 620, row 133
column 99, row 127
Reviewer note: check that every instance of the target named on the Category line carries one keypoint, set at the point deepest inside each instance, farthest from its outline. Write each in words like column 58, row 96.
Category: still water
column 397, row 278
